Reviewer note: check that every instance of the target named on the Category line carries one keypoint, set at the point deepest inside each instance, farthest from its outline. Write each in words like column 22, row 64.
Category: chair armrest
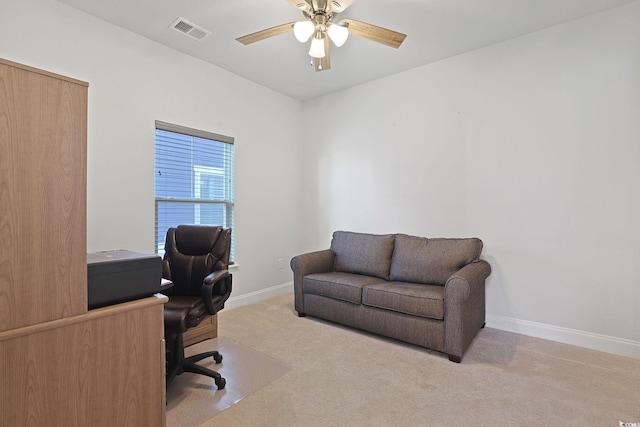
column 309, row 263
column 216, row 288
column 464, row 299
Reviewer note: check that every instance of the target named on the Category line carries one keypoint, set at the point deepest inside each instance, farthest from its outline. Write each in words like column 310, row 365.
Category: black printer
column 120, row 275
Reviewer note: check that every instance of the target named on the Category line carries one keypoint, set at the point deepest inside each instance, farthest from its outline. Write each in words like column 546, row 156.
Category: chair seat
column 182, row 313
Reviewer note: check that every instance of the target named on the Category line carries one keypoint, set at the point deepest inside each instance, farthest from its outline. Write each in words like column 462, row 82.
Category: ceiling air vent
column 189, row 29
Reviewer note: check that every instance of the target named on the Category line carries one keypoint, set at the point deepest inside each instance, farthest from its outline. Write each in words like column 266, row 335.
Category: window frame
column 227, row 172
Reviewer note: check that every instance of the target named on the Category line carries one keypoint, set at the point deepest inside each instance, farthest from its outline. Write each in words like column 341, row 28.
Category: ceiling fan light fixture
column 338, row 33
column 317, row 46
column 319, row 26
column 302, row 30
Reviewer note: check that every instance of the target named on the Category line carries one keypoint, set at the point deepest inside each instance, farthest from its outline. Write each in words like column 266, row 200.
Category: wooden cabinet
column 102, row 368
column 43, row 169
column 207, row 329
column 61, row 364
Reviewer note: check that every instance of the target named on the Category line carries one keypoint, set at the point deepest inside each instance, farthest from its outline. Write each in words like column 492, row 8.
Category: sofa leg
column 456, row 359
column 301, row 314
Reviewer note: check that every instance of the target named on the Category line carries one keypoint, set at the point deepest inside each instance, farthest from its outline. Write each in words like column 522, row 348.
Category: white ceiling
column 435, row 29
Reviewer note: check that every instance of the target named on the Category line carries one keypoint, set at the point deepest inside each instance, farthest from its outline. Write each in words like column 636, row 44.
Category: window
column 194, row 179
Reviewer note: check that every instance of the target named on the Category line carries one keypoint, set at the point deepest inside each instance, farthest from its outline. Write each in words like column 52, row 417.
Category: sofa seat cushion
column 409, row 298
column 336, row 285
column 361, row 253
column 422, row 260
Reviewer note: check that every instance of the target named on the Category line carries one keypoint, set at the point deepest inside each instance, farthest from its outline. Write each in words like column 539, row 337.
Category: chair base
column 178, row 364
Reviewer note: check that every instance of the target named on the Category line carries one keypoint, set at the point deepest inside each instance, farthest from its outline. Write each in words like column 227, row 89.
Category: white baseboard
column 257, row 296
column 620, row 346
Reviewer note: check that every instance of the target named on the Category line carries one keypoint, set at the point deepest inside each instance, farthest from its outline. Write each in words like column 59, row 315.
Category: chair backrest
column 191, row 253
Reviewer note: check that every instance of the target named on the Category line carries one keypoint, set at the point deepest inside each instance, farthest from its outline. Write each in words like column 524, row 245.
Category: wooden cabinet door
column 102, row 368
column 43, row 128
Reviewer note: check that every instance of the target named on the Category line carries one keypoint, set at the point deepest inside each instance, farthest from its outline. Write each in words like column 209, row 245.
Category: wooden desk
column 207, row 329
column 102, row 368
column 61, row 364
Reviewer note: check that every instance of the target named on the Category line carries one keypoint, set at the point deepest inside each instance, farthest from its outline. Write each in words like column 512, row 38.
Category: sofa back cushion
column 360, row 253
column 432, row 261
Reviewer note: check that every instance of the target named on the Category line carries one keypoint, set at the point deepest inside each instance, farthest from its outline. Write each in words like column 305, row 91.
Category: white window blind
column 194, row 172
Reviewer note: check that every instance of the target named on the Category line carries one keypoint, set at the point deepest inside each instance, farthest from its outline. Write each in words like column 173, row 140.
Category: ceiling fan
column 319, row 25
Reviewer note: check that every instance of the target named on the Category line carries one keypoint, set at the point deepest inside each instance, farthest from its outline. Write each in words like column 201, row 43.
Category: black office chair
column 196, row 260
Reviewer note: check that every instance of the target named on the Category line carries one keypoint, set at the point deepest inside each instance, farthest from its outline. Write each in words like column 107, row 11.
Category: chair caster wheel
column 221, row 383
column 217, row 358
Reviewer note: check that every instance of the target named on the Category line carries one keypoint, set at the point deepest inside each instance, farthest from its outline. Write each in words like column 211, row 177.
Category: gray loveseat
column 428, row 292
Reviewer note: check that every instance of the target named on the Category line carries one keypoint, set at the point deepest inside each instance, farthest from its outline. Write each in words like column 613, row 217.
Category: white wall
column 533, row 145
column 132, row 83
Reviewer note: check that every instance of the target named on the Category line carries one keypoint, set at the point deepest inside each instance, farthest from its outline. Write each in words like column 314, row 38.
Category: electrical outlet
column 280, row 263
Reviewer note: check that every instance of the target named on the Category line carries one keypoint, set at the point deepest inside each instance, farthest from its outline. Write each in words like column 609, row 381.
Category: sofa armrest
column 309, row 263
column 464, row 311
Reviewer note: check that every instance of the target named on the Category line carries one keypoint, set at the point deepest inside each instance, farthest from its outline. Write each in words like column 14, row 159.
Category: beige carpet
column 193, row 399
column 340, row 377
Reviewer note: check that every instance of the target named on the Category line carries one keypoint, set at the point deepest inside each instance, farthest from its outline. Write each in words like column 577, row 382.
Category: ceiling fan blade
column 323, row 64
column 377, row 34
column 265, row 34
